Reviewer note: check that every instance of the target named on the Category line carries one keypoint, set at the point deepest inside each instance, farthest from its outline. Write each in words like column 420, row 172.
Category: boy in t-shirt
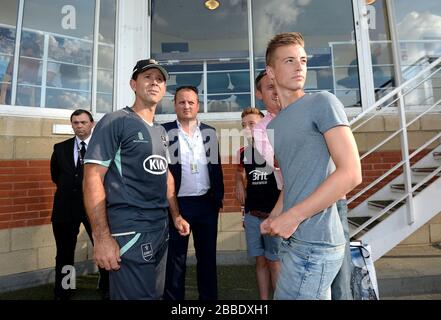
column 258, row 201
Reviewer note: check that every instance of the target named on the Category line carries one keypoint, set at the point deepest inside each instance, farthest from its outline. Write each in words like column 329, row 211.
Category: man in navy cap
column 128, row 189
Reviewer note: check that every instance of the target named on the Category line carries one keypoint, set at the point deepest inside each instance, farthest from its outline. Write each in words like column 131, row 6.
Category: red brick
column 382, row 166
column 12, row 193
column 6, row 201
column 13, row 163
column 38, row 222
column 39, row 163
column 17, row 224
column 5, row 217
column 230, row 202
column 12, row 209
column 46, row 184
column 366, row 166
column 391, row 159
column 228, row 189
column 26, row 200
column 10, row 178
column 45, row 214
column 25, row 215
column 7, row 171
column 6, row 186
column 40, row 192
column 229, row 171
column 27, row 171
column 372, row 173
column 38, row 178
column 4, row 225
column 45, row 199
column 26, row 185
column 39, row 206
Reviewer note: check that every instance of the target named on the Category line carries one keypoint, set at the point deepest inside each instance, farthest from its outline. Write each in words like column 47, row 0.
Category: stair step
column 358, row 221
column 381, row 204
column 424, row 170
column 400, row 187
column 436, row 155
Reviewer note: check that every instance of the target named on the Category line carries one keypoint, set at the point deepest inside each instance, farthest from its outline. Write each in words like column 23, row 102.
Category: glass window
column 212, row 53
column 106, row 56
column 381, row 48
column 328, row 29
column 418, row 26
column 56, row 72
column 56, row 54
column 419, row 36
column 8, row 15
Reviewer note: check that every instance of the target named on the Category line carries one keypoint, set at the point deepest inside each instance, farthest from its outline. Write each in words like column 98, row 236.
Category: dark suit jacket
column 68, row 199
column 213, row 156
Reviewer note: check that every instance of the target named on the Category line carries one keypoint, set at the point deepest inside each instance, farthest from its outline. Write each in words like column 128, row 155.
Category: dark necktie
column 82, row 154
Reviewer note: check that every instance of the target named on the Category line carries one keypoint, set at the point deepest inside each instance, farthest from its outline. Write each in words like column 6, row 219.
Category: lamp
column 211, row 4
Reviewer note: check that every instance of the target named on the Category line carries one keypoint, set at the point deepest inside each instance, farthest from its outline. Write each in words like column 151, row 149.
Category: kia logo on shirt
column 155, row 164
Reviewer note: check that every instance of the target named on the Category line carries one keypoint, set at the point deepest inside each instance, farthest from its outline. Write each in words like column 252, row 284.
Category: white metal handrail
column 398, row 94
column 395, row 92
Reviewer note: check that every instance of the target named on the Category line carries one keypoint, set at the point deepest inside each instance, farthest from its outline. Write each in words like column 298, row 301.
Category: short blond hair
column 280, row 40
column 251, row 110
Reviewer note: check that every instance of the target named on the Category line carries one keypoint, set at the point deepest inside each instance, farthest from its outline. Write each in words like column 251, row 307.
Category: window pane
column 418, row 24
column 328, row 29
column 8, row 17
column 106, row 56
column 219, row 40
column 182, row 74
column 56, row 54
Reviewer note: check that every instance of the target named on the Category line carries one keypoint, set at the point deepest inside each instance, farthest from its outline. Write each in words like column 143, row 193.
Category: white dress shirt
column 192, row 154
column 77, row 147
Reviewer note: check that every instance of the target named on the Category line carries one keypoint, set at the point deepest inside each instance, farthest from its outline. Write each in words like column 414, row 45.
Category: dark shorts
column 143, row 262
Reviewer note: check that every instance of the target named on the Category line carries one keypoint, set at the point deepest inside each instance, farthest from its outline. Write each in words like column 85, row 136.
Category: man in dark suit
column 197, row 171
column 68, row 210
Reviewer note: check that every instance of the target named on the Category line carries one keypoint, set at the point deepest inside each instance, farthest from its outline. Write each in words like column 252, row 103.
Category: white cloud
column 419, row 26
column 269, row 19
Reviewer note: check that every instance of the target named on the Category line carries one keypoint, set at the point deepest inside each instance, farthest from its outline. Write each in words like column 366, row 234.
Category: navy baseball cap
column 143, row 65
column 259, row 77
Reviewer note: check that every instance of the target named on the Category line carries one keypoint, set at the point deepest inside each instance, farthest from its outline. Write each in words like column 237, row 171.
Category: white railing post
column 405, row 156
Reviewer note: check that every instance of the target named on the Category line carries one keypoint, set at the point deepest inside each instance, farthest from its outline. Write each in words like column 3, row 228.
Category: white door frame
column 367, row 91
column 133, row 44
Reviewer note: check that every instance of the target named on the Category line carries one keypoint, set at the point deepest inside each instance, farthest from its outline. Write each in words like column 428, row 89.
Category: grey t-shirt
column 136, row 181
column 301, row 150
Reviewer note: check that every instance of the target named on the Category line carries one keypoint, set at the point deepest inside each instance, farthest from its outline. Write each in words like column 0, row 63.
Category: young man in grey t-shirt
column 311, row 134
column 128, row 189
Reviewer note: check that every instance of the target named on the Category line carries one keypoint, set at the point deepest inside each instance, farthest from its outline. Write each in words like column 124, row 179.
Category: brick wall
column 26, row 193
column 26, row 190
column 230, row 202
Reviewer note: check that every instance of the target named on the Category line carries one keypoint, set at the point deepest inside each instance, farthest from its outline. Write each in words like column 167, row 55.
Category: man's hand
column 283, row 225
column 106, row 253
column 182, row 226
column 240, row 192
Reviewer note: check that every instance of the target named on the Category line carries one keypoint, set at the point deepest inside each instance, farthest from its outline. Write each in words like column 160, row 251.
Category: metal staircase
column 407, row 195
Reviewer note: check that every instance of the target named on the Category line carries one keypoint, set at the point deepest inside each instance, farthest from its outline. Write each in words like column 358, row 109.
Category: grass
column 235, row 282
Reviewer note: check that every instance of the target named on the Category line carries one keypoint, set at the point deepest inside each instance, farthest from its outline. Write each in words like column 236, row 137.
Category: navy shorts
column 143, row 262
